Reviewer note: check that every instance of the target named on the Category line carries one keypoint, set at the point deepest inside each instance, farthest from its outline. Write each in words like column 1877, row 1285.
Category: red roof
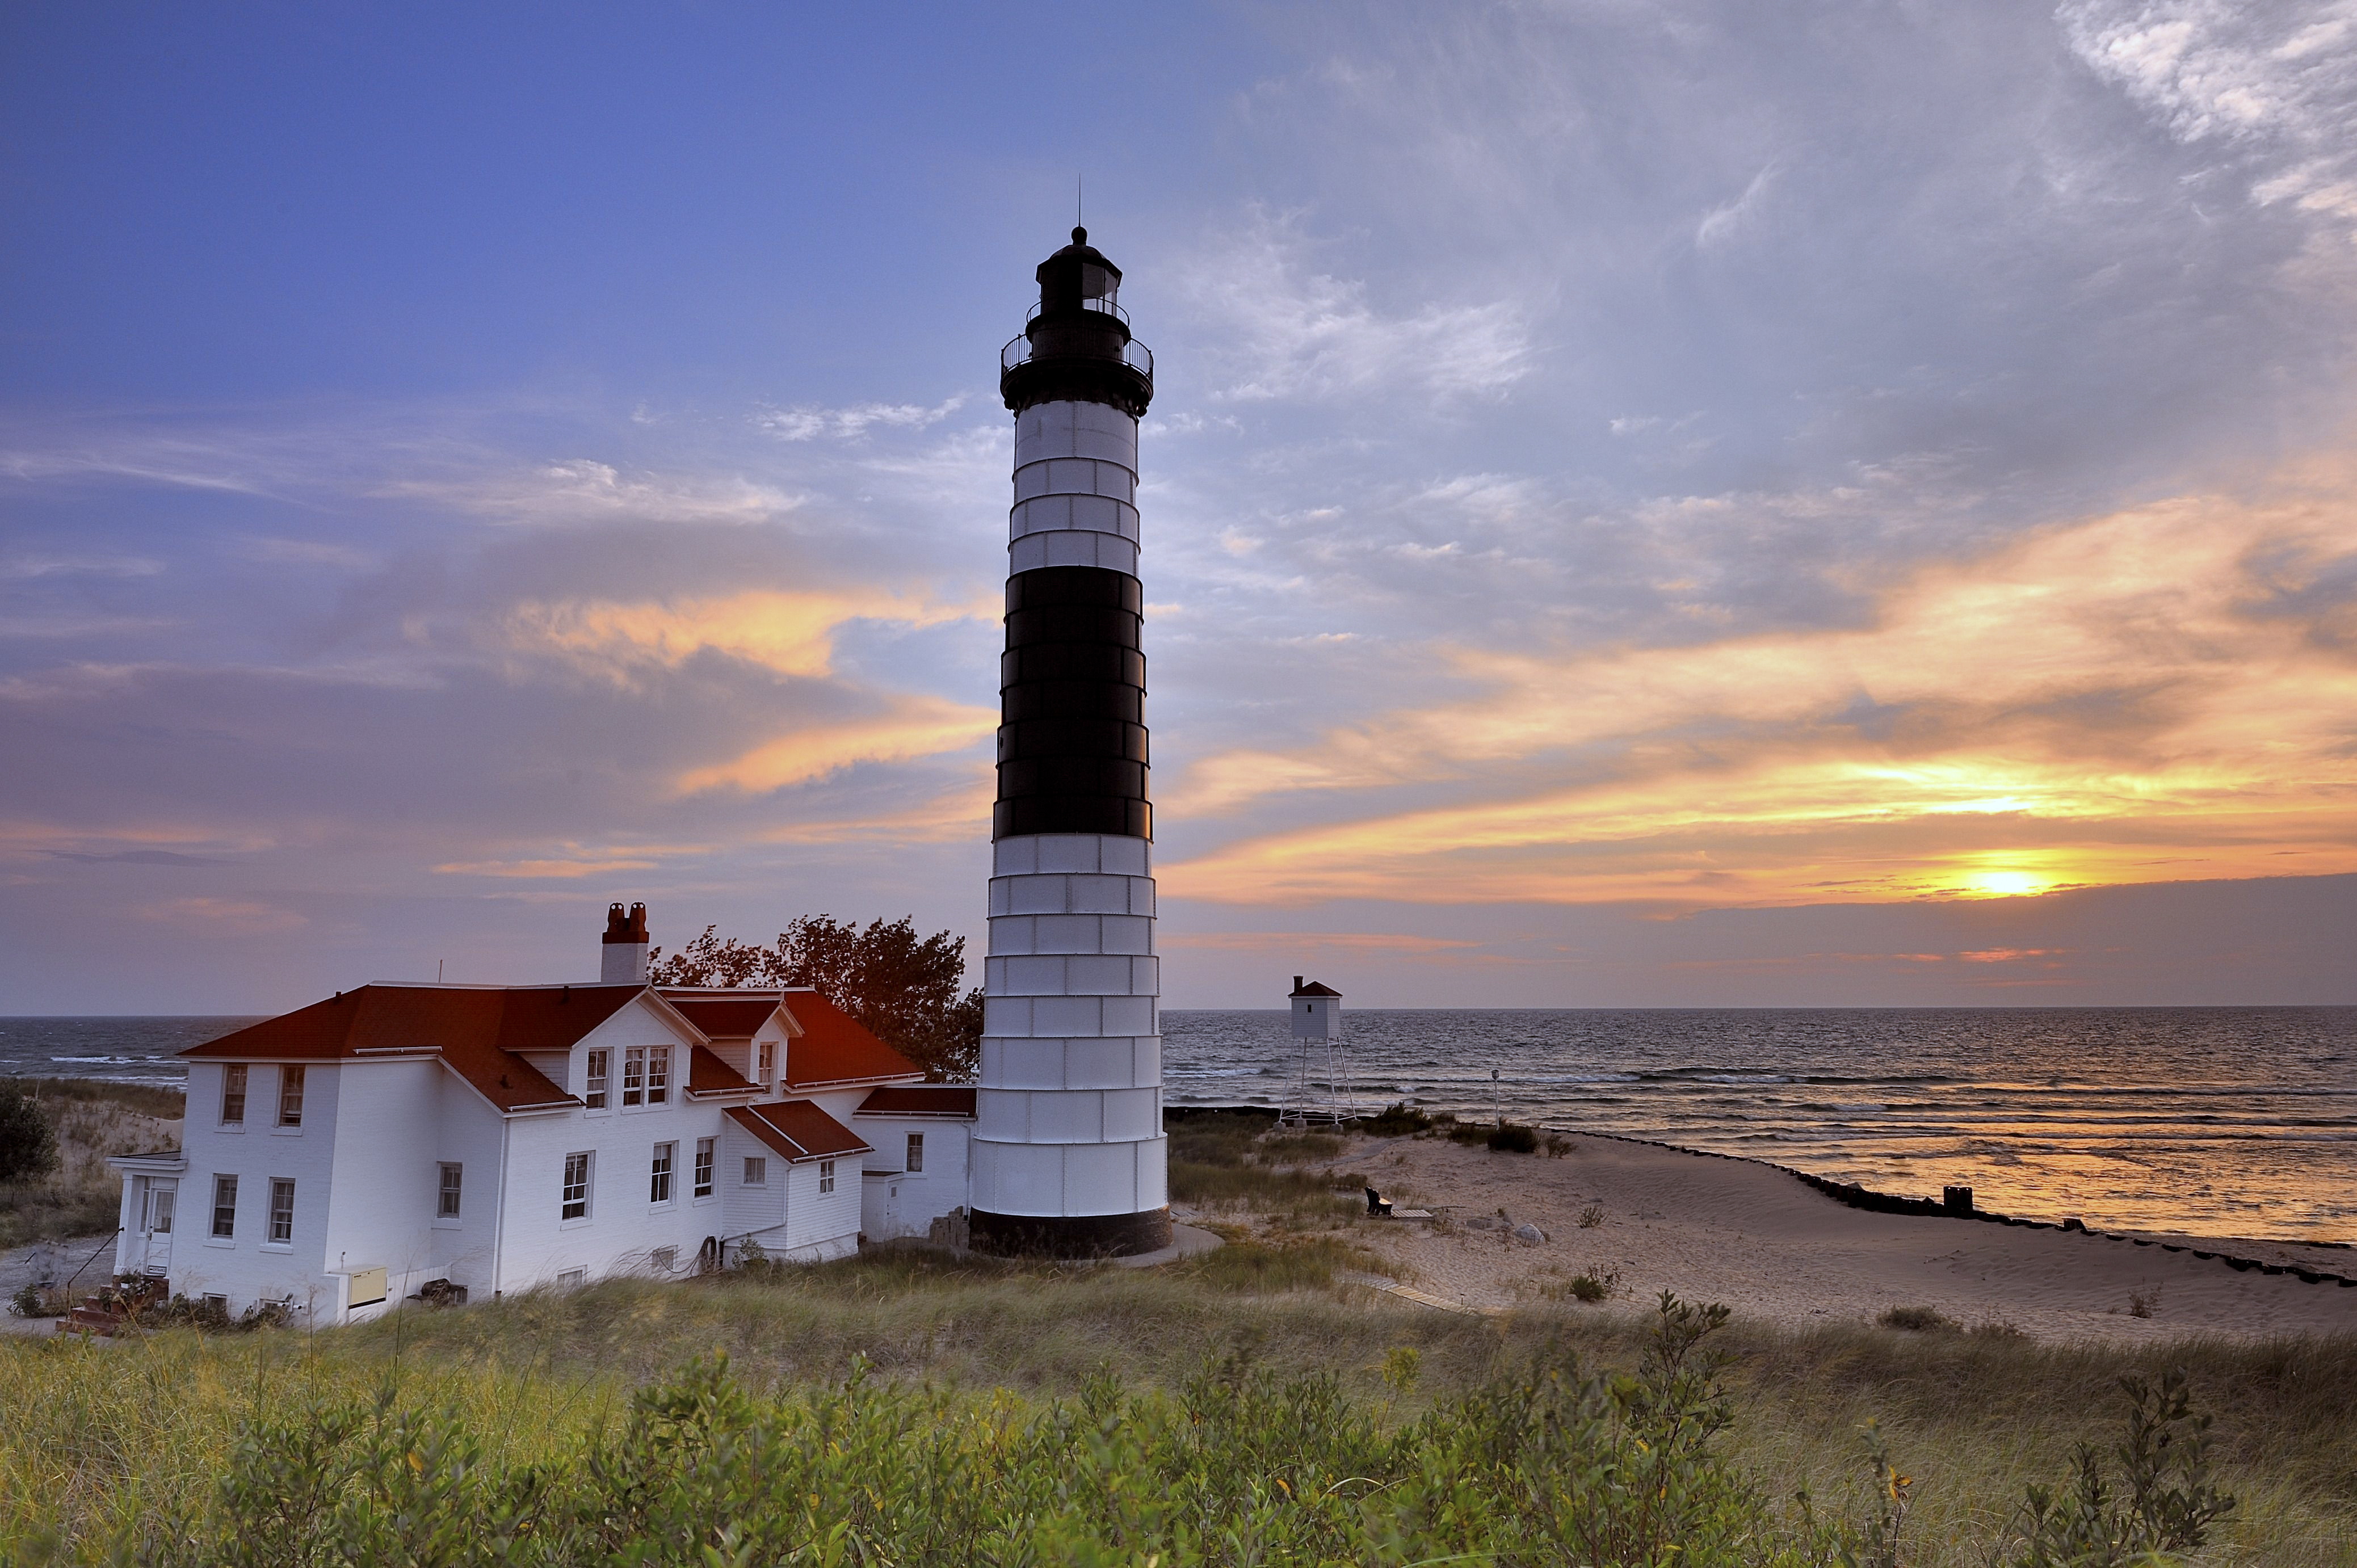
column 1315, row 988
column 708, row 1074
column 947, row 1100
column 798, row 1130
column 725, row 1015
column 832, row 1049
column 478, row 1030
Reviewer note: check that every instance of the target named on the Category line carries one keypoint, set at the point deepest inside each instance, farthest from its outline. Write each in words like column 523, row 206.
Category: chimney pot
column 624, row 951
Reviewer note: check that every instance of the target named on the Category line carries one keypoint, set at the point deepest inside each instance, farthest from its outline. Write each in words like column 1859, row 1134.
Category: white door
column 155, row 1226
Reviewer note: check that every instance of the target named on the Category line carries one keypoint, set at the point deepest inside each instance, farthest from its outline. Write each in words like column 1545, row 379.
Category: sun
column 2004, row 884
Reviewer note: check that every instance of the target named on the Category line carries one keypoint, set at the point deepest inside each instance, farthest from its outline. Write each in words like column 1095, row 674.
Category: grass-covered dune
column 904, row 1408
column 88, row 1120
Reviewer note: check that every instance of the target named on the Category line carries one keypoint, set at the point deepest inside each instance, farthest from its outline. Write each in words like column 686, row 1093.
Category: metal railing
column 1091, row 302
column 1134, row 354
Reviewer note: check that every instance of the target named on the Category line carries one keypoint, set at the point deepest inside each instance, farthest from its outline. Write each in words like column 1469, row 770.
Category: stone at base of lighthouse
column 1070, row 1235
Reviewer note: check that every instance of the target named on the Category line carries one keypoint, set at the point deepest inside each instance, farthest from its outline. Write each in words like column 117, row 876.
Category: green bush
column 29, row 1143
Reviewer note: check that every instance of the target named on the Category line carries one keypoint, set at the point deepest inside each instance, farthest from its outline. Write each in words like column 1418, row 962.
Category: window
column 658, row 1074
column 826, row 1175
column 290, row 1097
column 573, row 1279
column 225, row 1206
column 768, row 1061
column 576, row 1187
column 659, row 1176
column 282, row 1210
column 757, row 1170
column 634, row 1076
column 703, row 1167
column 217, row 1303
column 665, row 1258
column 233, row 1095
column 594, row 1091
column 447, row 1207
column 915, row 1153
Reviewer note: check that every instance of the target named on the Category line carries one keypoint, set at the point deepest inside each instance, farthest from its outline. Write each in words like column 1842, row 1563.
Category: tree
column 28, row 1144
column 907, row 991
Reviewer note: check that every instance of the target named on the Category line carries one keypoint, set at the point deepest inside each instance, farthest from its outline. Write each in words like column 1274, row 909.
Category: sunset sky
column 1645, row 504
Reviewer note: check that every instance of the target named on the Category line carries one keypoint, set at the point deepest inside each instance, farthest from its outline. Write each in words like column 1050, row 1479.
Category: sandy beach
column 1754, row 1237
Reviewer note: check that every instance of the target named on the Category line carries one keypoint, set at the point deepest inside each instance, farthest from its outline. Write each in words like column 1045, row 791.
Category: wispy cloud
column 1280, row 328
column 808, row 423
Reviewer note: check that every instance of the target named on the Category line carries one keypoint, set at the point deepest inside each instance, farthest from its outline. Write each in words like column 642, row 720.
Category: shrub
column 1591, row 1217
column 1513, row 1138
column 1593, row 1287
column 1918, row 1320
column 1395, row 1120
column 29, row 1143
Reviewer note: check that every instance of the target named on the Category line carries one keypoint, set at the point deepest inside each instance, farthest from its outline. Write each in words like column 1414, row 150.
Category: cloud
column 1276, row 329
column 2121, row 700
column 80, row 566
column 909, row 727
column 789, row 633
column 807, row 422
column 133, row 857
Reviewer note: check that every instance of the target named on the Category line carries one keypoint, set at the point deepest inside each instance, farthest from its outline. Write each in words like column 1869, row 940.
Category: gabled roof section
column 1314, row 988
column 478, row 1030
column 708, row 1074
column 935, row 1101
column 833, row 1050
column 727, row 1015
column 798, row 1130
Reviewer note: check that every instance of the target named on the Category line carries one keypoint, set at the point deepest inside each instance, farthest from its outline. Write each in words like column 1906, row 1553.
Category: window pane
column 658, row 1075
column 225, row 1206
column 290, row 1097
column 659, row 1178
column 757, row 1170
column 825, row 1176
column 281, row 1210
column 447, row 1208
column 916, row 1152
column 233, row 1095
column 594, row 1090
column 703, row 1167
column 634, row 1076
column 575, row 1197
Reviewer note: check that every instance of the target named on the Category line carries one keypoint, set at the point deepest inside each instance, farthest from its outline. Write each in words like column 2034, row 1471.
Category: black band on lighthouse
column 1072, row 743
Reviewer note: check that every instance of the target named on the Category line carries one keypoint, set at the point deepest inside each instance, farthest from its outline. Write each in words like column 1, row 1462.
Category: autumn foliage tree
column 908, row 991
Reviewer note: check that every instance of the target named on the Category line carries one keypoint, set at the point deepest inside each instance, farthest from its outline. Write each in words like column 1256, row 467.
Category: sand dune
column 1756, row 1238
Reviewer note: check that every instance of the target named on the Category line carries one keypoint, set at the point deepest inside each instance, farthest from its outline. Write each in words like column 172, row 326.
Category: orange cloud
column 791, row 633
column 2139, row 697
column 909, row 727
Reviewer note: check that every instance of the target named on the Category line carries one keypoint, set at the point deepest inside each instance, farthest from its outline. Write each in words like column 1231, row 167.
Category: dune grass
column 1021, row 1363
column 102, row 1432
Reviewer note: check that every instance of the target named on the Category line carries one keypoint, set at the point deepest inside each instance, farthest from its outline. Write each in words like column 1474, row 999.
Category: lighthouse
column 1069, row 1156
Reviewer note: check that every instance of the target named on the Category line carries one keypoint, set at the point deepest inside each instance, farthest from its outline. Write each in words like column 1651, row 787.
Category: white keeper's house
column 351, row 1153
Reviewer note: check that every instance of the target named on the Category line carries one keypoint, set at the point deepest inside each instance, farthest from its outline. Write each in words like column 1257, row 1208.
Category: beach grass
column 103, row 1434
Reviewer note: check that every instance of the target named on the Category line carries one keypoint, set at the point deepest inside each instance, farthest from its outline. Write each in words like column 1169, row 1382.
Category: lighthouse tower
column 1069, row 1156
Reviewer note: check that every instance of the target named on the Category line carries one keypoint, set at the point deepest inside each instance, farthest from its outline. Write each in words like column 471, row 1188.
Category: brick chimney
column 625, row 950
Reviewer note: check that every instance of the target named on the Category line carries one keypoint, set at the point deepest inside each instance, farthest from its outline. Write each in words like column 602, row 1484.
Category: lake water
column 2217, row 1121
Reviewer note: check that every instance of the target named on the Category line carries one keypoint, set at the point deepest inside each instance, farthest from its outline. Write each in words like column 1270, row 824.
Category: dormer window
column 769, row 1068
